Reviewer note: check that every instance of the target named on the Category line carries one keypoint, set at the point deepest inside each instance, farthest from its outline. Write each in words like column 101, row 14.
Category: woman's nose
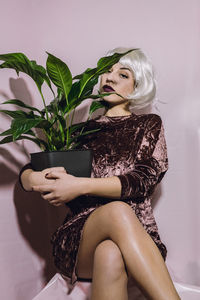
column 111, row 77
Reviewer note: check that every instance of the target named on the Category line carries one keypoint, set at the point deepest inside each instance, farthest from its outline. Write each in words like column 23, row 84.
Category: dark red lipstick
column 108, row 89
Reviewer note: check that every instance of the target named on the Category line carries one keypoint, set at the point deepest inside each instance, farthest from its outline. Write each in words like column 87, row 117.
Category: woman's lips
column 108, row 89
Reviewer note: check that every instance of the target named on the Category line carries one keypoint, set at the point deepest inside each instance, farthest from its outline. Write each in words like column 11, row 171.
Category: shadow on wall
column 37, row 221
column 20, row 90
column 36, row 218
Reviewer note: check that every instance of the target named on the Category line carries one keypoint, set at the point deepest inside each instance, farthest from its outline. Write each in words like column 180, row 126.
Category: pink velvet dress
column 132, row 148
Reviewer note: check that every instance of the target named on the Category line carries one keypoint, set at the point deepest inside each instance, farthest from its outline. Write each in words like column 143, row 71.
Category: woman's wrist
column 26, row 179
column 30, row 178
column 84, row 185
column 103, row 187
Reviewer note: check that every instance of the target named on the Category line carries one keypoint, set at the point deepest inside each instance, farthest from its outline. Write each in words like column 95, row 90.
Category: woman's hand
column 32, row 178
column 60, row 188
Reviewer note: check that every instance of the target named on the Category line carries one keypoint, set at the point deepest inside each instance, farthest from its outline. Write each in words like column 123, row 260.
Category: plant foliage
column 56, row 119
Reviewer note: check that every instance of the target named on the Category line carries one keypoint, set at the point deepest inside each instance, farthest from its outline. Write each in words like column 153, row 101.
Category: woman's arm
column 67, row 187
column 103, row 187
column 150, row 166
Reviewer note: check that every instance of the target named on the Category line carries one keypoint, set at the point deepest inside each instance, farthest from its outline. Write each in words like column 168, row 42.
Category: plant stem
column 67, row 121
column 45, row 107
column 72, row 118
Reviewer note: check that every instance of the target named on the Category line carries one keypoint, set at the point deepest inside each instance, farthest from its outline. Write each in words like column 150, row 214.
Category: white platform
column 57, row 289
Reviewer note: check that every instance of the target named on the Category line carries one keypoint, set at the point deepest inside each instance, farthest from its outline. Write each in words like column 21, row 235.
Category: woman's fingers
column 56, row 203
column 48, row 193
column 57, row 169
column 52, row 199
column 59, row 187
column 42, row 188
column 49, row 196
column 53, row 175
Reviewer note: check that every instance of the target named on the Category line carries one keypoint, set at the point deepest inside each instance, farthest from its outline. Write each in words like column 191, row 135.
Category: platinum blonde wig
column 144, row 81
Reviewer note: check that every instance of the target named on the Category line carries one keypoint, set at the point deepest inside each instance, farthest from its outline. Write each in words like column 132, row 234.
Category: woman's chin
column 114, row 100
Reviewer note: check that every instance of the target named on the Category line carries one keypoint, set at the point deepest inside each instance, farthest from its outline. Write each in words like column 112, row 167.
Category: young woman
column 111, row 233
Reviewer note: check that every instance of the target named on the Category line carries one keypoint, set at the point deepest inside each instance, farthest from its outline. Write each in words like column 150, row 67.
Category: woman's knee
column 112, row 216
column 119, row 213
column 108, row 260
column 121, row 222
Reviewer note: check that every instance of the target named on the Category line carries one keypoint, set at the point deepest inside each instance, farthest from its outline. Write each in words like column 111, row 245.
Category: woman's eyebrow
column 124, row 68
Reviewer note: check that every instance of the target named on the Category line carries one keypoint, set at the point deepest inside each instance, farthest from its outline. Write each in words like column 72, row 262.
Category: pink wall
column 79, row 32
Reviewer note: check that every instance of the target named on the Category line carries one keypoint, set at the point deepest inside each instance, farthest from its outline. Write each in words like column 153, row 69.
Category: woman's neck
column 118, row 111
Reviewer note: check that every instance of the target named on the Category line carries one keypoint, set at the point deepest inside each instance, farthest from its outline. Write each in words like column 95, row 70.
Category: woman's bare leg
column 117, row 221
column 109, row 280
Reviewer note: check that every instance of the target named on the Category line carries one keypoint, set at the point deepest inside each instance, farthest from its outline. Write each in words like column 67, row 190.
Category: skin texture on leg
column 109, row 280
column 117, row 221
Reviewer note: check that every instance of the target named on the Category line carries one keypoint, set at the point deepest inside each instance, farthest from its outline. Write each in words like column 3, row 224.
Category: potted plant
column 55, row 120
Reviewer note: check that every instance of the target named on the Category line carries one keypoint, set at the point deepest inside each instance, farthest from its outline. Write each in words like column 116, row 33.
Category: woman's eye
column 124, row 75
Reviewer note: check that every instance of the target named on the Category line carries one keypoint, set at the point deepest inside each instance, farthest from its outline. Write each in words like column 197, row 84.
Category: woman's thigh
column 98, row 228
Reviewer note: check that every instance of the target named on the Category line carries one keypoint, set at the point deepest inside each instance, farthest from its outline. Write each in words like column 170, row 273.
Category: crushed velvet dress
column 133, row 148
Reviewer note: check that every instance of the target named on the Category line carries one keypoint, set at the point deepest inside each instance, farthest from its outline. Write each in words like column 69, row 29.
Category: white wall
column 79, row 32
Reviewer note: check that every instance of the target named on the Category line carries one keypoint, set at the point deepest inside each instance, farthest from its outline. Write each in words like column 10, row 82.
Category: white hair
column 144, row 81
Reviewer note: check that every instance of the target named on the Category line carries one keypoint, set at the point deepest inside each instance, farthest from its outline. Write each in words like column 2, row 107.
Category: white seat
column 57, row 289
column 187, row 292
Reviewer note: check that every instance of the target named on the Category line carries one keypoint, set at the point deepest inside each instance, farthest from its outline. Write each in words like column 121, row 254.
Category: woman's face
column 118, row 79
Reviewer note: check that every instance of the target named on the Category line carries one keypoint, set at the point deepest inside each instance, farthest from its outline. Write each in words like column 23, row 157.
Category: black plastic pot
column 76, row 162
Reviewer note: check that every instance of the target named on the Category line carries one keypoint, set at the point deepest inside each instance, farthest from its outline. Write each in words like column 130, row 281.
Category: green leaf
column 59, row 73
column 90, row 77
column 21, row 104
column 88, row 89
column 76, row 140
column 6, row 132
column 53, row 106
column 73, row 98
column 105, row 63
column 23, row 125
column 7, row 139
column 98, row 96
column 74, row 92
column 42, row 71
column 14, row 58
column 72, row 145
column 20, row 63
column 89, row 131
column 88, row 81
column 37, row 141
column 57, row 140
column 62, row 121
column 59, row 94
column 81, row 75
column 75, row 127
column 14, row 114
column 96, row 105
column 44, row 124
column 9, row 132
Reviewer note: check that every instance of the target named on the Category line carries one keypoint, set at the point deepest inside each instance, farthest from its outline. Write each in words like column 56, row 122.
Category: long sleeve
column 150, row 164
column 26, row 167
